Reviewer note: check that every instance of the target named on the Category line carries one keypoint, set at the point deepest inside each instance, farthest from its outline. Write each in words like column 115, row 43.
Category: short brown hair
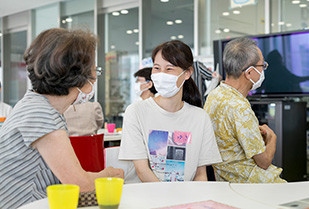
column 59, row 59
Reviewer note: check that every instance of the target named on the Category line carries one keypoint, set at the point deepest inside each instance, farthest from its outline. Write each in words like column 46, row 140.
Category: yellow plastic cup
column 63, row 196
column 108, row 191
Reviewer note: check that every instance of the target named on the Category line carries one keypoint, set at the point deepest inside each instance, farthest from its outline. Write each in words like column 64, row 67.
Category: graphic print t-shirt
column 174, row 143
column 167, row 152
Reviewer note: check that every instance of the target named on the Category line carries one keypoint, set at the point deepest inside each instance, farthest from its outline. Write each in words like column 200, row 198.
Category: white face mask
column 83, row 97
column 166, row 84
column 260, row 81
column 137, row 88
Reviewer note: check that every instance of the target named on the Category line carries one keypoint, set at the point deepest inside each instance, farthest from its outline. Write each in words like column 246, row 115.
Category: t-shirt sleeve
column 248, row 132
column 209, row 152
column 132, row 144
column 38, row 122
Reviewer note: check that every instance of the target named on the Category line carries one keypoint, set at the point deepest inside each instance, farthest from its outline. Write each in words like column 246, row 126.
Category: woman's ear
column 149, row 84
column 189, row 72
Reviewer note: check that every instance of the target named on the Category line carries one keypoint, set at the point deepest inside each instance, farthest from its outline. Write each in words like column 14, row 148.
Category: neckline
column 165, row 112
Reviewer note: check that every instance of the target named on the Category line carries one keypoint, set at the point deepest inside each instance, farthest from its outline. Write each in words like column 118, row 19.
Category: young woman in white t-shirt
column 170, row 133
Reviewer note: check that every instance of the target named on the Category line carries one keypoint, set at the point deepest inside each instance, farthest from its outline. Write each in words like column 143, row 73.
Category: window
column 167, row 20
column 46, row 17
column 287, row 15
column 83, row 21
column 0, row 55
column 219, row 20
column 77, row 14
column 121, row 61
column 15, row 75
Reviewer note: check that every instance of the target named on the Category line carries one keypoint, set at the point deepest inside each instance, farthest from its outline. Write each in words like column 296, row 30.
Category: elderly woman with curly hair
column 35, row 150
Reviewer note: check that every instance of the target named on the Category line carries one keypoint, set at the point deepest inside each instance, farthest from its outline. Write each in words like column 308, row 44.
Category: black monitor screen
column 288, row 57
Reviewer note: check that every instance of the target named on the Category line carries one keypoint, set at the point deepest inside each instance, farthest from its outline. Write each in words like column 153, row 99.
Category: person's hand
column 214, row 75
column 267, row 134
column 114, row 172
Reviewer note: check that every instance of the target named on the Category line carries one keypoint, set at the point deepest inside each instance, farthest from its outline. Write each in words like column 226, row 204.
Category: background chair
column 111, row 159
column 89, row 151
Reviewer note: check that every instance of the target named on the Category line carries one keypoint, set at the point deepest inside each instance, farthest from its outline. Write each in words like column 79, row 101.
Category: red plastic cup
column 110, row 127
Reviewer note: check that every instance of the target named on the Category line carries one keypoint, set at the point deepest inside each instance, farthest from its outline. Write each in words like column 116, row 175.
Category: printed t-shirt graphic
column 168, row 154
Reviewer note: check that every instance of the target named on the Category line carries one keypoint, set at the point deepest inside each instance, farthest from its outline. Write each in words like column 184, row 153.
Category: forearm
column 59, row 155
column 201, row 174
column 271, row 150
column 264, row 159
column 74, row 174
column 147, row 176
column 90, row 179
column 143, row 171
column 84, row 180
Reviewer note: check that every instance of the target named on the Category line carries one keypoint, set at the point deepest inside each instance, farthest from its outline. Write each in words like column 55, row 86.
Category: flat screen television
column 288, row 56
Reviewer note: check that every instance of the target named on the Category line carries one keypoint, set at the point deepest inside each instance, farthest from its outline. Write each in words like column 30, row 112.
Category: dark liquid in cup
column 108, row 206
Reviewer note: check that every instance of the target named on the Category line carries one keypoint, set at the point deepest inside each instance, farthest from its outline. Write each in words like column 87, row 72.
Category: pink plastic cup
column 110, row 127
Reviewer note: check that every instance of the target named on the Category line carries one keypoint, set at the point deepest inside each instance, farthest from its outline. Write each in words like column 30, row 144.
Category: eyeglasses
column 265, row 65
column 99, row 70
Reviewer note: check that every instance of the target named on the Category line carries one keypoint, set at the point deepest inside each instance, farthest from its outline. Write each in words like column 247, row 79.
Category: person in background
column 5, row 109
column 171, row 132
column 35, row 149
column 144, row 87
column 84, row 119
column 246, row 148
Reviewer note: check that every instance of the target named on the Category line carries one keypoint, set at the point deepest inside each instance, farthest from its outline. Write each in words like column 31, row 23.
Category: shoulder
column 196, row 112
column 139, row 109
column 98, row 108
column 227, row 97
column 140, row 105
column 91, row 104
column 32, row 98
column 34, row 105
column 96, row 104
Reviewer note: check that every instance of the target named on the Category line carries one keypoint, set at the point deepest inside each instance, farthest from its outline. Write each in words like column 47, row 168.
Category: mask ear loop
column 183, row 80
column 90, row 83
column 255, row 70
column 147, row 81
column 181, row 74
column 250, row 76
column 145, row 88
column 79, row 90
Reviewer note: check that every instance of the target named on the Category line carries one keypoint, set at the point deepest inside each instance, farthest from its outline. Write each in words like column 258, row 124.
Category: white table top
column 116, row 136
column 154, row 195
column 273, row 194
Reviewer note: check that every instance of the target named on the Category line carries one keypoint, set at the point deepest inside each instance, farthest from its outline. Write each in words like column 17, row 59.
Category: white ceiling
column 8, row 7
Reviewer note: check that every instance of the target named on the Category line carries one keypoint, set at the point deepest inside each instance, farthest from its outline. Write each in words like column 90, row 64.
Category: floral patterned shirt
column 238, row 136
